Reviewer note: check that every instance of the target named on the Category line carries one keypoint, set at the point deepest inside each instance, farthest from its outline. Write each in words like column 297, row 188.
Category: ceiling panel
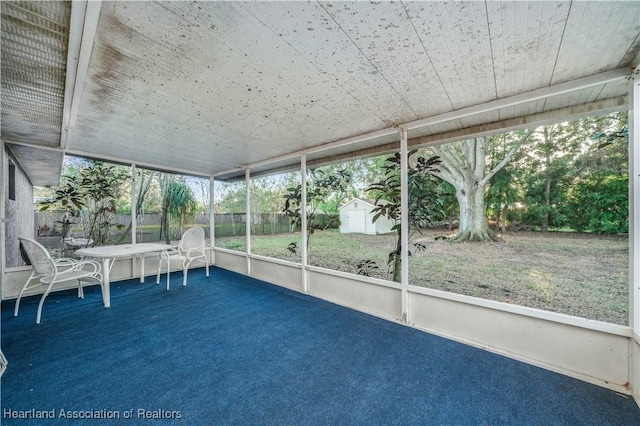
column 457, row 40
column 597, row 36
column 42, row 166
column 525, row 38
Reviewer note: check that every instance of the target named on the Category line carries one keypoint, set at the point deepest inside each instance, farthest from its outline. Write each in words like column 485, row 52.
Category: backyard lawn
column 577, row 274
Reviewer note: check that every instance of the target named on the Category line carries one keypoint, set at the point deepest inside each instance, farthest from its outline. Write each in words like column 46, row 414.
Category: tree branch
column 470, row 157
column 506, row 159
column 449, row 166
column 447, row 176
column 480, row 153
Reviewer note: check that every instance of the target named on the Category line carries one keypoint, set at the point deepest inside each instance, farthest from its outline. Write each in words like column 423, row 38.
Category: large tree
column 464, row 166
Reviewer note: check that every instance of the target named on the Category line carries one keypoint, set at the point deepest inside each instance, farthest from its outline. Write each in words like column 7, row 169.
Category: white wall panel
column 587, row 354
column 289, row 276
column 236, row 262
column 635, row 369
column 379, row 300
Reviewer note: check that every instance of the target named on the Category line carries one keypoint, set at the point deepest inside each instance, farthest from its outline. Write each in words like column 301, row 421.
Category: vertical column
column 134, row 205
column 634, row 231
column 212, row 219
column 404, row 223
column 247, row 209
column 134, row 225
column 304, row 224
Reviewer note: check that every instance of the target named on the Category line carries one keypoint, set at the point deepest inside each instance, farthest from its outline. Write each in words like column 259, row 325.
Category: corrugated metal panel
column 34, row 49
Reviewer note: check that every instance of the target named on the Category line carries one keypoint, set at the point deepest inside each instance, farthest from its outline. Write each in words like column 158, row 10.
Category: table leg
column 142, row 268
column 106, row 292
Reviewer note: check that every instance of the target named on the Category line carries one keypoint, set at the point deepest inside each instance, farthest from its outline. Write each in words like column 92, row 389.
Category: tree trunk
column 397, row 260
column 547, row 180
column 544, row 227
column 473, row 221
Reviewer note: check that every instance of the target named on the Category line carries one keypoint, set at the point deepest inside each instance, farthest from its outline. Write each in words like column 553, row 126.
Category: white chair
column 48, row 272
column 191, row 248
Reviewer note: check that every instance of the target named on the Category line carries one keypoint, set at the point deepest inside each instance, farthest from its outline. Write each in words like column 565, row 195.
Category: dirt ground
column 581, row 275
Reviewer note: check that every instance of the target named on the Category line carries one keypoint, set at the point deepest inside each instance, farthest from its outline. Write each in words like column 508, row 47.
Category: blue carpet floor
column 233, row 350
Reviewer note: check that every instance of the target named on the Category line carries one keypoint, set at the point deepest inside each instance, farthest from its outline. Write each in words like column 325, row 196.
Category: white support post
column 212, row 219
column 76, row 81
column 304, row 224
column 134, row 203
column 247, row 209
column 634, row 232
column 134, row 224
column 404, row 223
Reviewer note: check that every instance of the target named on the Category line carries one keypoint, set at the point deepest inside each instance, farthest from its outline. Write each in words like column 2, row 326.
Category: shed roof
column 209, row 88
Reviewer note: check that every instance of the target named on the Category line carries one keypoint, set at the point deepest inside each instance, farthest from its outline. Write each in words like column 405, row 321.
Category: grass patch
column 585, row 275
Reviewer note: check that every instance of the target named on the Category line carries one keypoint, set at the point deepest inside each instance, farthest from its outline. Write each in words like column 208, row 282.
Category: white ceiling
column 210, row 87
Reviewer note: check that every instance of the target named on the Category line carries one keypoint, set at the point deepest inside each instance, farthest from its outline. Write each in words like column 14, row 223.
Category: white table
column 109, row 254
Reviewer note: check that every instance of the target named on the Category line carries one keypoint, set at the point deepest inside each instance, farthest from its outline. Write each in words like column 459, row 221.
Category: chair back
column 193, row 238
column 39, row 257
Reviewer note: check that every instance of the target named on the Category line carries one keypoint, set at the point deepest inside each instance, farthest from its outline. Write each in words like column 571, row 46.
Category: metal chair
column 48, row 272
column 191, row 248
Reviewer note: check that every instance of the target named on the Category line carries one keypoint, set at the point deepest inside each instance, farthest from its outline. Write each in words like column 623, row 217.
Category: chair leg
column 44, row 296
column 80, row 290
column 159, row 269
column 185, row 271
column 24, row 287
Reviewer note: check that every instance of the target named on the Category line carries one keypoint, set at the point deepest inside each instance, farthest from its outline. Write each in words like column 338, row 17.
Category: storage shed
column 356, row 217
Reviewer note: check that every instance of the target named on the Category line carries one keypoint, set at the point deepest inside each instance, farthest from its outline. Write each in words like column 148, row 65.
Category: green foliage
column 601, row 205
column 293, row 248
column 425, row 203
column 233, row 197
column 367, row 267
column 178, row 204
column 144, row 180
column 94, row 190
column 504, row 188
column 323, row 185
column 570, row 175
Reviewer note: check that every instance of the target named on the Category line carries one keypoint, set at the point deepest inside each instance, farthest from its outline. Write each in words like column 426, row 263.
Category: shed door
column 357, row 221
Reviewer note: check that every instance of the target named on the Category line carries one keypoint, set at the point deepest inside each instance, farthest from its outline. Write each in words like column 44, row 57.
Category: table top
column 122, row 250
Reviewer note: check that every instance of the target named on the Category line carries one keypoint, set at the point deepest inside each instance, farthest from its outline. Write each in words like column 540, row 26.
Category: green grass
column 584, row 275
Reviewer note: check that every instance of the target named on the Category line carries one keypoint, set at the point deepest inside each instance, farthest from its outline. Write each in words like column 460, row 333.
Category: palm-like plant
column 178, row 203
